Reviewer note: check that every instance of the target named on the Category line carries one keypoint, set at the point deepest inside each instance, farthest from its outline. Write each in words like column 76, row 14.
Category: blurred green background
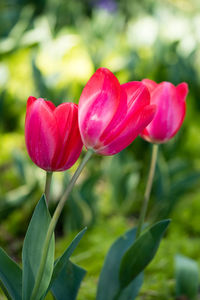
column 49, row 49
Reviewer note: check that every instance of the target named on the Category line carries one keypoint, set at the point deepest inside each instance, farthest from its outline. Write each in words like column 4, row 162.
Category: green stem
column 47, row 185
column 54, row 221
column 148, row 189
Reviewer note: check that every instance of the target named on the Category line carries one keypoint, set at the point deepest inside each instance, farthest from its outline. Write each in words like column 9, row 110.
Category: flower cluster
column 108, row 118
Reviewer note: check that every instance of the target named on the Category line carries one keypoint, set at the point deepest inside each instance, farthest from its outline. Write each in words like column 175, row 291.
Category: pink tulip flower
column 111, row 115
column 52, row 135
column 171, row 108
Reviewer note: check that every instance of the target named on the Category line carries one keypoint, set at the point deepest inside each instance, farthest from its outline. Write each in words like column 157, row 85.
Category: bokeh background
column 49, row 49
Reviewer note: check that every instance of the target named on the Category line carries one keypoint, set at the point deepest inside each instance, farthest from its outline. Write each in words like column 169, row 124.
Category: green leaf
column 132, row 290
column 32, row 252
column 187, row 277
column 139, row 255
column 109, row 278
column 60, row 262
column 10, row 277
column 67, row 283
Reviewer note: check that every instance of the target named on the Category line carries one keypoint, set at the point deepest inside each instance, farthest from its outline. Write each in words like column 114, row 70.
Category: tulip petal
column 98, row 104
column 137, row 94
column 51, row 105
column 69, row 144
column 137, row 97
column 113, row 127
column 182, row 90
column 170, row 113
column 134, row 125
column 40, row 132
column 150, row 84
column 30, row 101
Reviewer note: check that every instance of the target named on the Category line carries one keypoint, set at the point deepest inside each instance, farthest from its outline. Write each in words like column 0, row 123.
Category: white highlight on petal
column 95, row 118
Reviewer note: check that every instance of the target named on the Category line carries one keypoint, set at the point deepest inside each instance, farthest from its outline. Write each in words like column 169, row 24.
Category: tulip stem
column 148, row 189
column 48, row 185
column 54, row 221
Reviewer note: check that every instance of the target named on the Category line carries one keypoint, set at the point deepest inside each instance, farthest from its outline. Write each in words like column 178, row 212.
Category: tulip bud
column 171, row 108
column 111, row 115
column 52, row 135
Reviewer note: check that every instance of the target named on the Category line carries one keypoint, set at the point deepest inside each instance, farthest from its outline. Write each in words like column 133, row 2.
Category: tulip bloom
column 52, row 135
column 111, row 115
column 171, row 108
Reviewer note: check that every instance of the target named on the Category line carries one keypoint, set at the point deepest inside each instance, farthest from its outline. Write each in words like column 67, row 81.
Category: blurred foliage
column 187, row 277
column 49, row 49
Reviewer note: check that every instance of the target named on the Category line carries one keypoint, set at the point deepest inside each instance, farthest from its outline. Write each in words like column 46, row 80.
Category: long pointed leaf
column 10, row 277
column 67, row 283
column 32, row 251
column 139, row 255
column 61, row 261
column 109, row 284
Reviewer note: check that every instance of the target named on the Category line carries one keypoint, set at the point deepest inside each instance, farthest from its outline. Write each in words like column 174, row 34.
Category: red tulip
column 52, row 135
column 171, row 108
column 111, row 115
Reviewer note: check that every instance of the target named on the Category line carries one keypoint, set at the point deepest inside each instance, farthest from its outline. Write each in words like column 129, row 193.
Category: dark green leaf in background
column 187, row 277
column 140, row 254
column 109, row 284
column 32, row 251
column 10, row 277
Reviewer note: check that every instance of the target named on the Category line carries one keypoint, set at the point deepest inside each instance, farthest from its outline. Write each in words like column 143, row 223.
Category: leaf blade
column 67, row 283
column 32, row 251
column 139, row 255
column 10, row 276
column 109, row 277
column 62, row 260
